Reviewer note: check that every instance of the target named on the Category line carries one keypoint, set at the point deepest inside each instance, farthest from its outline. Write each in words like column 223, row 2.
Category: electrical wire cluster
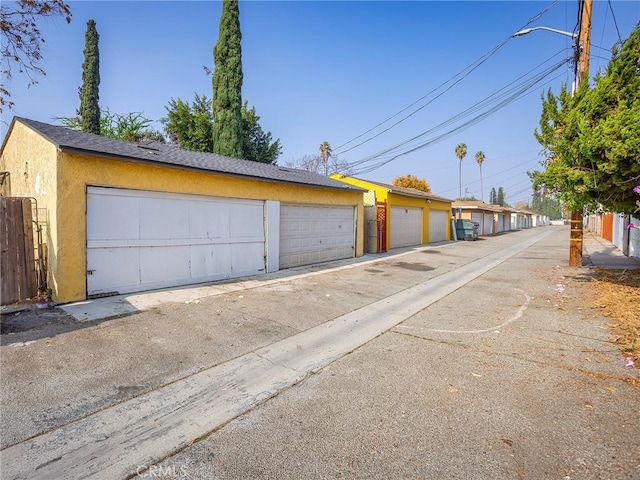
column 463, row 120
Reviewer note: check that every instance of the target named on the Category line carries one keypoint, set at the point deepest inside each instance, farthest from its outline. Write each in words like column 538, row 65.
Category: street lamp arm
column 529, row 30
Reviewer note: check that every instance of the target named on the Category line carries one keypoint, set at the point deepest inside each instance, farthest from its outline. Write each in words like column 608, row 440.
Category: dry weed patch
column 616, row 293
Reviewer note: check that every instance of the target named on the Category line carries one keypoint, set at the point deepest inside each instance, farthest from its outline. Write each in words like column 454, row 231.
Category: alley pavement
column 462, row 360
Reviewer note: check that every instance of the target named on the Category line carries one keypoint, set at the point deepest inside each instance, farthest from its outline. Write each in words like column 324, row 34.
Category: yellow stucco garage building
column 124, row 217
column 403, row 216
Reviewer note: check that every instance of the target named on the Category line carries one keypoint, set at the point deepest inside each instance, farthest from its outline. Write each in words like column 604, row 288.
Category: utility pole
column 582, row 75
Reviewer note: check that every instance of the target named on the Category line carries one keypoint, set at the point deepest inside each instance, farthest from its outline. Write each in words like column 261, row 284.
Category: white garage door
column 438, row 225
column 315, row 233
column 406, row 226
column 488, row 224
column 139, row 240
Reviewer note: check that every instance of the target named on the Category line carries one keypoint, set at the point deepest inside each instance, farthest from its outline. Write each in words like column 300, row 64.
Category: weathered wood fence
column 18, row 268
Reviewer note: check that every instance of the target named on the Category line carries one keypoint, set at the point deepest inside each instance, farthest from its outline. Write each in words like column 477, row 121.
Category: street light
column 529, row 30
column 576, row 47
column 582, row 46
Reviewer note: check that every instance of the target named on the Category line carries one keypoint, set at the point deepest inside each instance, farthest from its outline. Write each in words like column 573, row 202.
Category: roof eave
column 160, row 163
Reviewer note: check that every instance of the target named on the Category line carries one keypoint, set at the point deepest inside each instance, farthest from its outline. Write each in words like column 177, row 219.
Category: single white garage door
column 406, row 226
column 488, row 224
column 438, row 225
column 479, row 218
column 315, row 233
column 139, row 240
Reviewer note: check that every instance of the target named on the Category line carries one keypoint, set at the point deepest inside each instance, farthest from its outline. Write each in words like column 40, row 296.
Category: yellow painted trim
column 396, row 199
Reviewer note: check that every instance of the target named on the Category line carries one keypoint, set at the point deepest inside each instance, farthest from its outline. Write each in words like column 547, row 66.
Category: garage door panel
column 164, row 264
column 179, row 239
column 103, row 278
column 209, row 262
column 113, row 217
column 243, row 218
column 208, row 221
column 312, row 234
column 406, row 226
column 247, row 259
column 438, row 225
column 487, row 228
column 163, row 218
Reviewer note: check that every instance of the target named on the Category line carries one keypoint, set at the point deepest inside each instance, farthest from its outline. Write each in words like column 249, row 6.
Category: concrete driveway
column 466, row 360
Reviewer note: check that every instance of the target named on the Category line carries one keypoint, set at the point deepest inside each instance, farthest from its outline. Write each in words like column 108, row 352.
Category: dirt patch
column 29, row 317
column 613, row 294
column 616, row 294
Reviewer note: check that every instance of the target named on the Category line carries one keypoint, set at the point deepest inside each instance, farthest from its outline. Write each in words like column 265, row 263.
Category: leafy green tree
column 492, row 196
column 411, row 181
column 89, row 91
column 227, row 84
column 592, row 139
column 132, row 127
column 22, row 39
column 257, row 145
column 461, row 152
column 545, row 205
column 190, row 125
column 500, row 198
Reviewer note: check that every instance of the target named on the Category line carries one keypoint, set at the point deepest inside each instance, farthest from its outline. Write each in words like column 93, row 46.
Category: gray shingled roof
column 73, row 141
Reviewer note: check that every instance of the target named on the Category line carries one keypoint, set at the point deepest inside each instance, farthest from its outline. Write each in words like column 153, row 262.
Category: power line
column 503, row 97
column 462, row 75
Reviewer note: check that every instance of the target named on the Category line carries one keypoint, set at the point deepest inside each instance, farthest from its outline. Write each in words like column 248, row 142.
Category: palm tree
column 461, row 152
column 325, row 153
column 480, row 158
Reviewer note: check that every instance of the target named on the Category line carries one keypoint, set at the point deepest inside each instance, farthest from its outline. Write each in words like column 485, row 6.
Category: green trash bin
column 467, row 229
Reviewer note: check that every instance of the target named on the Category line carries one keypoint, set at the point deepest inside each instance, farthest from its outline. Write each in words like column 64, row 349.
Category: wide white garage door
column 139, row 240
column 315, row 233
column 406, row 226
column 438, row 225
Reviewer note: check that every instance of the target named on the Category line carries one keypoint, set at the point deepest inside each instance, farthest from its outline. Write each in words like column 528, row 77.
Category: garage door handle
column 90, row 272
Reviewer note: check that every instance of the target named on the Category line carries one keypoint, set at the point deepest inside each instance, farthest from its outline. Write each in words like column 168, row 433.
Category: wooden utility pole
column 582, row 75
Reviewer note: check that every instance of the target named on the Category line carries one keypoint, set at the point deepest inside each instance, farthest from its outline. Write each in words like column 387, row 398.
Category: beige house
column 479, row 212
column 124, row 217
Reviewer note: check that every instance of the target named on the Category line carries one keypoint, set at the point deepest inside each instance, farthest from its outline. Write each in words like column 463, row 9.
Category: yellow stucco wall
column 399, row 200
column 76, row 172
column 30, row 161
column 59, row 182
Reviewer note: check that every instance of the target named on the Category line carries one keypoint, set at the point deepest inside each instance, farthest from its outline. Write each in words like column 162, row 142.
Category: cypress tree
column 227, row 84
column 89, row 95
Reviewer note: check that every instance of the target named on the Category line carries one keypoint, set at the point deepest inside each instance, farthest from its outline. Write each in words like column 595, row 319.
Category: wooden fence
column 18, row 271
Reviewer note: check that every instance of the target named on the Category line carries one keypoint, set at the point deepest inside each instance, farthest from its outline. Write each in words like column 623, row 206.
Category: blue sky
column 319, row 71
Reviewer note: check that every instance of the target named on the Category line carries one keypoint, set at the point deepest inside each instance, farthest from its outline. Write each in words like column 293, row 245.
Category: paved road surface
column 458, row 361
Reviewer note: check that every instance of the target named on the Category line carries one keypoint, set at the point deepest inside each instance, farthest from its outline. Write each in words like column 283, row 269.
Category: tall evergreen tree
column 500, row 198
column 89, row 91
column 227, row 84
column 492, row 196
